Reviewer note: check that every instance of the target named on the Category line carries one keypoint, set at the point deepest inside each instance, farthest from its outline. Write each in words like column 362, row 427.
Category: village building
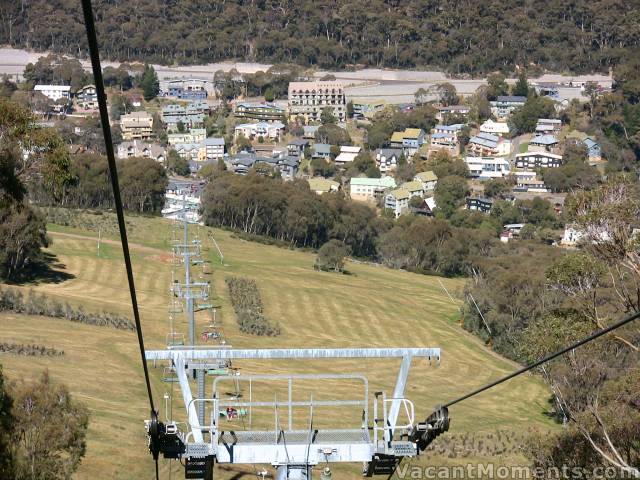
column 387, row 159
column 495, row 128
column 485, row 168
column 348, row 154
column 535, row 160
column 309, row 99
column 370, row 189
column 488, row 145
column 321, row 185
column 136, row 125
column 503, row 106
column 263, row 112
column 137, row 148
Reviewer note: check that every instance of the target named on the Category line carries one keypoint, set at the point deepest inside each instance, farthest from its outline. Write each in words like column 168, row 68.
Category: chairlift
column 231, row 413
column 175, row 339
column 210, row 335
column 169, row 375
column 203, row 306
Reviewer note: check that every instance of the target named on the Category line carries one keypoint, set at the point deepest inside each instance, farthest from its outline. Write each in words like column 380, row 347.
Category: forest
column 460, row 36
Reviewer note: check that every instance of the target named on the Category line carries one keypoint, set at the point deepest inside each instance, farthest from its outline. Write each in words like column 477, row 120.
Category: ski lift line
column 546, row 359
column 113, row 174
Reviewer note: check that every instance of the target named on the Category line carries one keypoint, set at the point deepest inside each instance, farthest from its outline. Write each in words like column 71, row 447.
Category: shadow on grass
column 47, row 270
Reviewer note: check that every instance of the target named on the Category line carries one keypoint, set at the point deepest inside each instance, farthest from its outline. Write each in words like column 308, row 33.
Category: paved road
column 395, row 86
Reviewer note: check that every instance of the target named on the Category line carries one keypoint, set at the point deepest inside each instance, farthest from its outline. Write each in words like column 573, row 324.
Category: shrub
column 247, row 305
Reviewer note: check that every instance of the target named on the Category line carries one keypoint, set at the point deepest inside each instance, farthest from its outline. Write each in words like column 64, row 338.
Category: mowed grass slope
column 372, row 306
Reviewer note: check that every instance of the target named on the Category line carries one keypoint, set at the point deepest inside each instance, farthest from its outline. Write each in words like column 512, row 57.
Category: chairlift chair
column 169, row 375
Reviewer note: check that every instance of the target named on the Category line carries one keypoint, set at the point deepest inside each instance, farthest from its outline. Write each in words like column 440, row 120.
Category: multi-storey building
column 136, row 125
column 309, row 99
column 54, row 92
column 370, row 189
column 266, row 112
column 534, row 160
column 87, row 97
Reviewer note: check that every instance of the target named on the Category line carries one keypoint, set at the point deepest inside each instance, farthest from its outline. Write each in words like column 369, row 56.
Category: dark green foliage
column 322, row 168
column 460, row 40
column 57, row 70
column 538, row 212
column 327, row 116
column 149, row 83
column 177, row 164
column 332, row 134
column 289, row 212
column 247, row 304
column 37, row 304
column 391, row 120
column 29, row 350
column 496, row 188
column 450, row 193
column 525, row 118
column 521, row 88
column 6, row 420
column 497, row 86
column 331, row 256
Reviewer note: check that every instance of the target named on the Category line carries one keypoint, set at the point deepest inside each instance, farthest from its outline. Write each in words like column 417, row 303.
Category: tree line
column 461, row 37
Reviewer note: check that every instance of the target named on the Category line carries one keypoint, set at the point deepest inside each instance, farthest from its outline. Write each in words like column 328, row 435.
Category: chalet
column 453, row 130
column 191, row 151
column 187, row 89
column 136, row 148
column 444, row 113
column 173, row 122
column 488, row 167
column 173, row 110
column 397, row 201
column 365, row 108
column 414, row 187
column 495, row 128
column 242, row 162
column 594, row 152
column 543, row 143
column 87, row 97
column 387, row 159
column 550, row 126
column 445, row 137
column 194, row 135
column 428, row 179
column 370, row 189
column 488, row 145
column 54, row 92
column 296, row 147
column 214, row 148
column 348, row 154
column 323, row 185
column 136, row 125
column 481, row 204
column 548, row 89
column 321, row 150
column 528, row 184
column 270, row 130
column 198, row 108
column 264, row 112
column 503, row 106
column 410, row 140
column 534, row 160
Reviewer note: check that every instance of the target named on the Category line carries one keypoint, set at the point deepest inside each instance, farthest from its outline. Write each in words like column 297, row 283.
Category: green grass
column 524, row 147
column 374, row 306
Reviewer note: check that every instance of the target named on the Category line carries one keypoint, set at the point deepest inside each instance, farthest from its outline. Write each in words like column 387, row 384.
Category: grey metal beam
column 398, row 391
column 292, row 353
column 185, row 388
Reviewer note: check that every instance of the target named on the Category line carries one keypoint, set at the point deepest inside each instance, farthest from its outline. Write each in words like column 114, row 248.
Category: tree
column 327, row 116
column 321, row 167
column 332, row 134
column 331, row 256
column 350, row 109
column 242, row 143
column 48, row 430
column 421, row 96
column 521, row 87
column 120, row 105
column 591, row 91
column 447, row 94
column 269, row 96
column 177, row 164
column 450, row 193
column 149, row 83
column 496, row 188
column 6, row 422
column 497, row 86
column 525, row 118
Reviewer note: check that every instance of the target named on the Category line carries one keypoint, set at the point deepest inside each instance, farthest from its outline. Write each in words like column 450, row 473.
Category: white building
column 533, row 160
column 369, row 189
column 348, row 154
column 54, row 92
column 488, row 167
column 137, row 148
column 495, row 128
column 397, row 201
column 194, row 135
column 214, row 148
column 270, row 130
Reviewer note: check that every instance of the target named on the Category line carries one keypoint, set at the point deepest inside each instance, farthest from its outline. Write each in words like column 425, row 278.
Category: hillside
column 459, row 37
column 373, row 306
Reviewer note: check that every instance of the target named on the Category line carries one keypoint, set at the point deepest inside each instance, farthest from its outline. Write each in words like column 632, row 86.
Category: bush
column 29, row 350
column 37, row 304
column 247, row 305
column 331, row 256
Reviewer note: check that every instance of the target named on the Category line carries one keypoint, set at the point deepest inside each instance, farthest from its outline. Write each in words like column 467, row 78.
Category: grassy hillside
column 373, row 306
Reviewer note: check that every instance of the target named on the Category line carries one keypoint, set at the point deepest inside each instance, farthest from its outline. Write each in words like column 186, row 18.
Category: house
column 548, row 89
column 572, row 236
column 594, row 152
column 136, row 125
column 136, row 148
column 370, row 189
column 187, row 89
column 543, row 143
column 194, row 135
column 481, row 204
column 191, row 151
column 387, row 159
column 323, row 185
column 414, row 187
column 267, row 130
column 287, row 165
column 410, row 140
column 444, row 113
column 264, row 112
column 397, row 201
column 296, row 147
column 453, row 130
column 529, row 184
column 534, row 160
column 551, row 126
column 428, row 179
column 198, row 108
column 485, row 168
column 488, row 145
column 54, row 92
column 321, row 150
column 309, row 99
column 503, row 106
column 135, row 99
column 445, row 137
column 366, row 108
column 87, row 97
column 173, row 110
column 495, row 128
column 309, row 131
column 348, row 154
column 214, row 148
column 188, row 121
